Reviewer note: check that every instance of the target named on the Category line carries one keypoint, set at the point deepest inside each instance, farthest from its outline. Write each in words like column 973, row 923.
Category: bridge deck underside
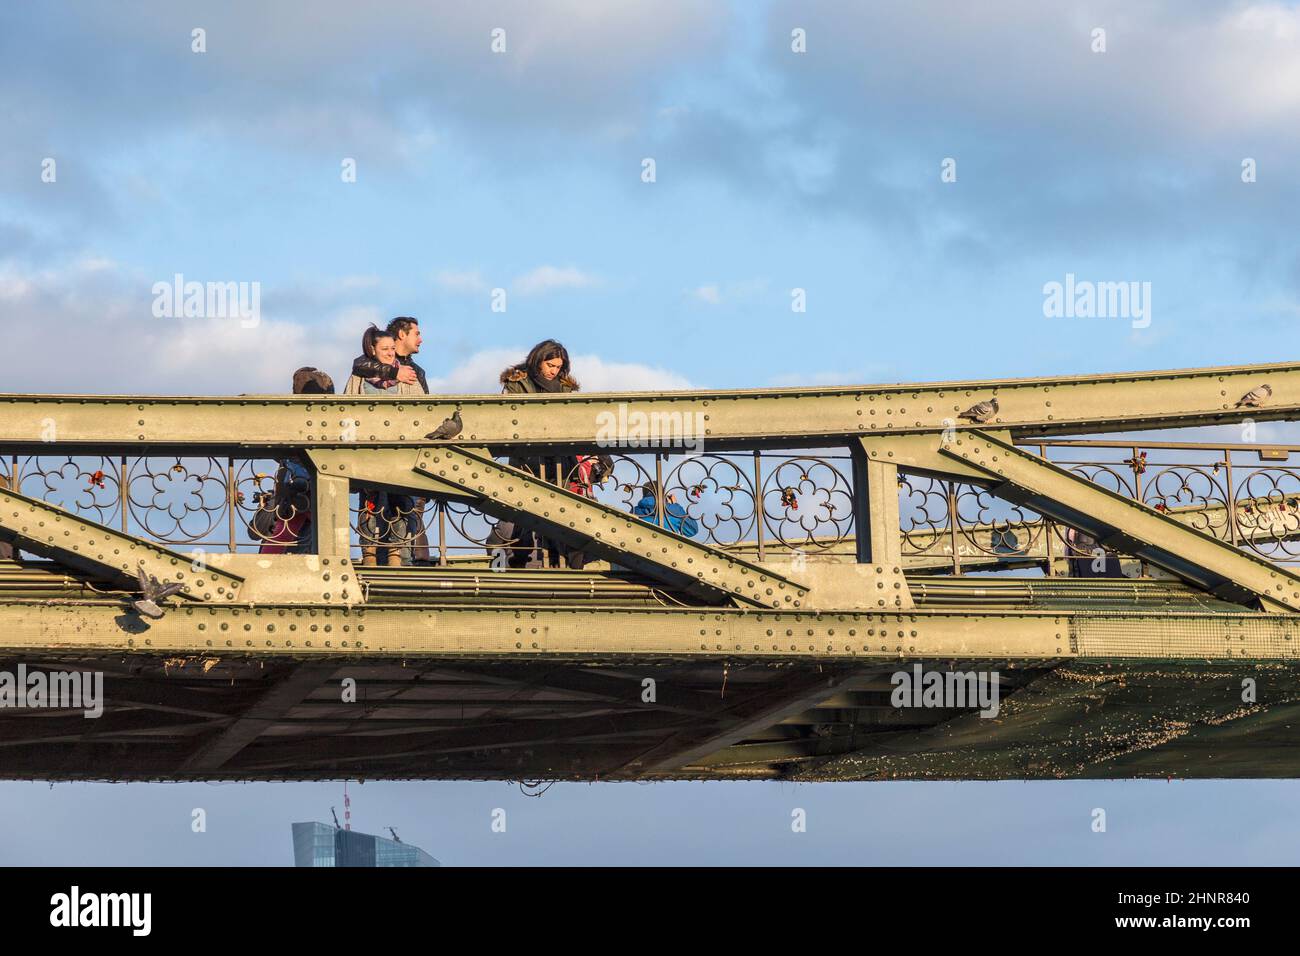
column 271, row 717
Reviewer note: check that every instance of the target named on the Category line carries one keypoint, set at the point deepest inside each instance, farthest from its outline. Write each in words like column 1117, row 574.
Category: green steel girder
column 594, row 633
column 1029, row 408
column 50, row 531
column 598, row 529
column 608, row 532
column 1120, row 523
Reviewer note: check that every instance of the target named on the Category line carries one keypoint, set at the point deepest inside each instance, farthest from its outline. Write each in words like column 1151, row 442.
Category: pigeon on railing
column 981, row 412
column 450, row 428
column 153, row 592
column 1255, row 397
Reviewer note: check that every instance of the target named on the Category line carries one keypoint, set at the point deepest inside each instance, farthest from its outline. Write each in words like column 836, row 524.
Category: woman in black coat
column 546, row 370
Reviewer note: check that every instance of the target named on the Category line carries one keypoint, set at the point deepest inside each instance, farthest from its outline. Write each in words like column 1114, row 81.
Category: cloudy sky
column 522, row 171
column 775, row 170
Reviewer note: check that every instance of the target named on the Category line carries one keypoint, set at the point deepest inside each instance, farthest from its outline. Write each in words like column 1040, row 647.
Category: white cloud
column 715, row 293
column 389, row 81
column 480, row 373
column 595, row 374
column 1195, row 70
column 460, row 282
column 868, row 375
column 548, row 278
column 110, row 343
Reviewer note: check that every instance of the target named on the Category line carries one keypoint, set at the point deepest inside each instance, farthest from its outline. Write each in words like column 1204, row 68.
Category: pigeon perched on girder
column 1255, row 397
column 450, row 428
column 152, row 594
column 981, row 412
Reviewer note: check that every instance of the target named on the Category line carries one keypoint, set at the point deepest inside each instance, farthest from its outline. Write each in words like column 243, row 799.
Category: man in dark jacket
column 406, row 331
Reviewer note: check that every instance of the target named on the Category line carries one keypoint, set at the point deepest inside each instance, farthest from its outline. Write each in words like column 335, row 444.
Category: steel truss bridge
column 842, row 536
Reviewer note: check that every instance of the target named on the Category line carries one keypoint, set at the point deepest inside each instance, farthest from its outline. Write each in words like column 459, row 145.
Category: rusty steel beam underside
column 675, row 659
column 200, row 717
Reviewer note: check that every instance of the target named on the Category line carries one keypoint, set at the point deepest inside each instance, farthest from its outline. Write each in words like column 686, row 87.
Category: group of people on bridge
column 391, row 524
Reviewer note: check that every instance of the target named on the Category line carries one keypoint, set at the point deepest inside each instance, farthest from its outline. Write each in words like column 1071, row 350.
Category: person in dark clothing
column 7, row 550
column 312, row 381
column 1085, row 554
column 388, row 521
column 395, row 373
column 282, row 521
column 546, row 370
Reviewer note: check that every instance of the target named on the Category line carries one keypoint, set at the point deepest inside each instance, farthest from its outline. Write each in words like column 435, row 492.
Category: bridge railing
column 763, row 503
column 1246, row 495
column 768, row 504
column 759, row 502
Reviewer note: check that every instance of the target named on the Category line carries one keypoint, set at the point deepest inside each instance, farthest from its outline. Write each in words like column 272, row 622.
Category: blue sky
column 775, row 170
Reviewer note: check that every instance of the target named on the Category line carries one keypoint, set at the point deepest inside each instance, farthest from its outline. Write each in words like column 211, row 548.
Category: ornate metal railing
column 1239, row 494
column 764, row 503
column 760, row 502
column 206, row 502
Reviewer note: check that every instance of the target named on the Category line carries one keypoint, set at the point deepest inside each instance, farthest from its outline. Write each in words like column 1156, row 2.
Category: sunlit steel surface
column 828, row 541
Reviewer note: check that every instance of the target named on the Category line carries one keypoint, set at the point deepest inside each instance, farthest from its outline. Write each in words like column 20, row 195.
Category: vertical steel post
column 1049, row 529
column 231, row 497
column 877, row 527
column 442, row 532
column 329, row 516
column 123, row 494
column 1137, row 494
column 760, row 514
column 660, row 491
column 1231, row 496
column 952, row 526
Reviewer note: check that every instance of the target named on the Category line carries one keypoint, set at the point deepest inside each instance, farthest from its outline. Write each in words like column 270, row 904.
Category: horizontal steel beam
column 485, row 633
column 1028, row 407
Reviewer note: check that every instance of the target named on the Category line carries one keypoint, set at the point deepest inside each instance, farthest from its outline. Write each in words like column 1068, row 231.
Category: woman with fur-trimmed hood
column 546, row 370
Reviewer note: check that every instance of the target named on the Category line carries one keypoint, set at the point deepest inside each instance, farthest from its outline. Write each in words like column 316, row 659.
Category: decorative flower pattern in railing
column 1268, row 512
column 807, row 503
column 791, row 501
column 985, row 525
column 718, row 492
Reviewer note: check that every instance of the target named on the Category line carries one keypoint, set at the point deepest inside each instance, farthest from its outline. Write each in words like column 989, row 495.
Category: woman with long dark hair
column 546, row 370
